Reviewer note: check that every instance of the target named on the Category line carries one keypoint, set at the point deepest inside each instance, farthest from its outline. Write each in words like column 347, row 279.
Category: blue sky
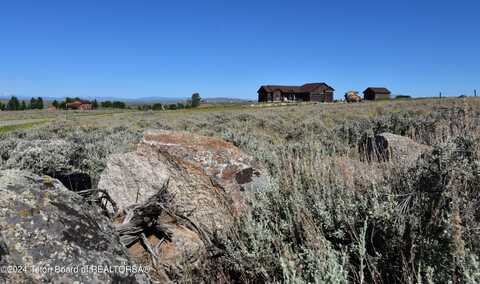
column 131, row 49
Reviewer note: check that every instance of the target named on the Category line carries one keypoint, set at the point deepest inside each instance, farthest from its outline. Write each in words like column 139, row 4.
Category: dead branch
column 149, row 248
column 101, row 197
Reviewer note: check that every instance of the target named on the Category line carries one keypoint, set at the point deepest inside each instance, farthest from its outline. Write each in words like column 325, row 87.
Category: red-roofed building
column 80, row 104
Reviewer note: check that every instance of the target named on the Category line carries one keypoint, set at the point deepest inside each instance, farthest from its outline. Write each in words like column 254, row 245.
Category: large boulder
column 208, row 180
column 50, row 234
column 392, row 147
column 206, row 175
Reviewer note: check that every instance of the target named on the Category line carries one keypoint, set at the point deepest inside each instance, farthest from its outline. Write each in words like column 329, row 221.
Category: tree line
column 37, row 103
column 15, row 104
column 192, row 103
column 94, row 103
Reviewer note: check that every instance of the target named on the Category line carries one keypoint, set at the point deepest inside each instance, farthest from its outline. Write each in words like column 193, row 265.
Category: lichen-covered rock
column 207, row 177
column 388, row 146
column 44, row 228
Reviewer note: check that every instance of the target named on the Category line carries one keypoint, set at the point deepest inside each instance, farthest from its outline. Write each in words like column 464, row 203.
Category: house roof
column 377, row 90
column 306, row 88
column 77, row 103
column 80, row 102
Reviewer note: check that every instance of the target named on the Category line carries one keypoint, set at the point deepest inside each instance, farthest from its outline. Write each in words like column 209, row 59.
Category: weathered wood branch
column 100, row 196
column 145, row 217
column 150, row 250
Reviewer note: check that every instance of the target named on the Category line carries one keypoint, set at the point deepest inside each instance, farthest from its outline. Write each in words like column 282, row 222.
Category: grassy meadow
column 326, row 216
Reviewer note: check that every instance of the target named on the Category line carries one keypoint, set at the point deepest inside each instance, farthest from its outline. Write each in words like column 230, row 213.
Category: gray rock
column 208, row 176
column 44, row 227
column 392, row 147
column 132, row 178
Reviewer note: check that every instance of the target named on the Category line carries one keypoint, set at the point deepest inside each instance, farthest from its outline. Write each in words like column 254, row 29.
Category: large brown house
column 80, row 104
column 374, row 93
column 315, row 92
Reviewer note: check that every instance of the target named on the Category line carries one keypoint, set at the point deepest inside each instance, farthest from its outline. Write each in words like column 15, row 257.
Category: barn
column 314, row 92
column 376, row 93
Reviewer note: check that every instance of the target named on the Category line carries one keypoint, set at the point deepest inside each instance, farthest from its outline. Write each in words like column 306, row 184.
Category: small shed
column 376, row 93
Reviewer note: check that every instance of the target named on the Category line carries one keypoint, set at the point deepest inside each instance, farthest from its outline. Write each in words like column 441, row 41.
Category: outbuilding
column 376, row 93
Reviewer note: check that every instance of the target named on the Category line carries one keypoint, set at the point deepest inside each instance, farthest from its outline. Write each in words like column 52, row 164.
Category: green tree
column 13, row 104
column 71, row 100
column 62, row 105
column 196, row 99
column 2, row 106
column 33, row 103
column 39, row 103
column 157, row 106
column 55, row 104
column 94, row 104
column 23, row 106
column 118, row 104
column 106, row 104
column 172, row 106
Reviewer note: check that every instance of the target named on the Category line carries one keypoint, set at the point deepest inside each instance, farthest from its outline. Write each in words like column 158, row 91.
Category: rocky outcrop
column 50, row 234
column 388, row 146
column 205, row 179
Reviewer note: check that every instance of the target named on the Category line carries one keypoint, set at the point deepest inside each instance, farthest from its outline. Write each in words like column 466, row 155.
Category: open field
column 328, row 215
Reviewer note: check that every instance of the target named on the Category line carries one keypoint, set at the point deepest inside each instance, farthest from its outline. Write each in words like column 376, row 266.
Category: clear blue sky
column 229, row 48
